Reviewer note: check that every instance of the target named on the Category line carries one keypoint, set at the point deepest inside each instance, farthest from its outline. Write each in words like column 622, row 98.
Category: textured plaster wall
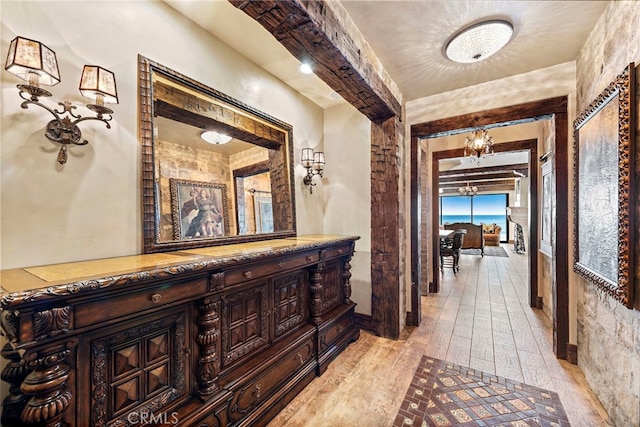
column 91, row 207
column 347, row 191
column 608, row 333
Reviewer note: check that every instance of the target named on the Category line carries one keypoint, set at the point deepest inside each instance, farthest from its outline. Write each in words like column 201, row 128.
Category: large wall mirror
column 237, row 187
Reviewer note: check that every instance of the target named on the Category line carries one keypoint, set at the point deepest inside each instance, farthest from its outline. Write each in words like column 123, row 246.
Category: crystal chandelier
column 468, row 191
column 478, row 144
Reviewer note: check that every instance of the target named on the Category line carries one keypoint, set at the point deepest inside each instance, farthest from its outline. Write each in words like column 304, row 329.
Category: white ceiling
column 408, row 37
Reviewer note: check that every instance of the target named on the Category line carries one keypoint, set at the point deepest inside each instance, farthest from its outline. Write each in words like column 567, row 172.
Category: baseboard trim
column 364, row 322
column 411, row 319
column 572, row 353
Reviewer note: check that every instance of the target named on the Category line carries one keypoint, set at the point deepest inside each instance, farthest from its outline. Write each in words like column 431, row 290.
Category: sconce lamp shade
column 32, row 61
column 97, row 83
column 318, row 161
column 313, row 163
column 307, row 157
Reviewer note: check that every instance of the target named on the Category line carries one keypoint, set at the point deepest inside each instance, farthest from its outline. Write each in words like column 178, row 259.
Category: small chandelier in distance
column 468, row 191
column 478, row 144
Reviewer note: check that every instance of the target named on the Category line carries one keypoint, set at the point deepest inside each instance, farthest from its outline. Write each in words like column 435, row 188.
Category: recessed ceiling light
column 305, row 68
column 335, row 95
column 479, row 41
column 215, row 138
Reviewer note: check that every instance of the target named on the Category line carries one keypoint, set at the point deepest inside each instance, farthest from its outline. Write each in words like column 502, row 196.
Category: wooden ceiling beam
column 312, row 32
column 504, row 116
column 520, row 168
column 478, row 177
column 457, row 185
column 501, row 187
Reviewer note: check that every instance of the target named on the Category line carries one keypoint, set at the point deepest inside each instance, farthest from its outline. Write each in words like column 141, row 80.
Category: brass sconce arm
column 63, row 130
column 308, row 178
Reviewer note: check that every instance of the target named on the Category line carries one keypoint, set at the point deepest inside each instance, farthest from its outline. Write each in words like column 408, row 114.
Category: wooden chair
column 450, row 248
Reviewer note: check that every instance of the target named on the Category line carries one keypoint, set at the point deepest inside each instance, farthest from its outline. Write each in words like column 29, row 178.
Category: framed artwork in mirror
column 263, row 214
column 199, row 210
column 547, row 208
column 604, row 155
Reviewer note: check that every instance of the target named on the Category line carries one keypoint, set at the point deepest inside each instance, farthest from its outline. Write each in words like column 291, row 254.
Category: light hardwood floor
column 481, row 319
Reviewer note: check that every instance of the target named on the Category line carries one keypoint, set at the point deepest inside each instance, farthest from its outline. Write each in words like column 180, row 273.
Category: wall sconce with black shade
column 314, row 164
column 36, row 63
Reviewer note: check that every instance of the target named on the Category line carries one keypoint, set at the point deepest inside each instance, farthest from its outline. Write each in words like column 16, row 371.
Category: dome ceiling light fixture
column 479, row 41
column 215, row 138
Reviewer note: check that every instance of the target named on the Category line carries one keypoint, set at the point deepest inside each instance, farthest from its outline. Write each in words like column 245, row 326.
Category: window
column 483, row 208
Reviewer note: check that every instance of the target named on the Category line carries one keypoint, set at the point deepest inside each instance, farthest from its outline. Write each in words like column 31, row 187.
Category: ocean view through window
column 480, row 209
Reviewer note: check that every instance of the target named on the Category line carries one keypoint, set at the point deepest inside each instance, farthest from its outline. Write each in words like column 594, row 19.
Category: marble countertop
column 29, row 284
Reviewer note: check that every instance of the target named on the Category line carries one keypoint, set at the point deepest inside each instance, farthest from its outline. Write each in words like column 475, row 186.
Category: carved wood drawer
column 333, row 330
column 269, row 380
column 337, row 251
column 254, row 271
column 119, row 305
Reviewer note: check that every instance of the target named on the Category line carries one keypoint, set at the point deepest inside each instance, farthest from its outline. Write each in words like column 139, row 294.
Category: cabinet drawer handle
column 256, row 391
column 300, row 358
column 339, row 251
column 282, row 264
column 309, row 258
column 248, row 274
column 156, row 298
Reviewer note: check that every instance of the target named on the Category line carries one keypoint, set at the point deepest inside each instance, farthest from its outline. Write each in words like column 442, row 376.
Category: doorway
column 530, row 146
column 554, row 109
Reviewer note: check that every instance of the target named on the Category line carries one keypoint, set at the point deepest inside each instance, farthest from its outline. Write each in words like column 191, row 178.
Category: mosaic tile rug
column 445, row 394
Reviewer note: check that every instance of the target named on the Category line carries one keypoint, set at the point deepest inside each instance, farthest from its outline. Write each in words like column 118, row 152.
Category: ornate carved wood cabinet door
column 133, row 370
column 290, row 306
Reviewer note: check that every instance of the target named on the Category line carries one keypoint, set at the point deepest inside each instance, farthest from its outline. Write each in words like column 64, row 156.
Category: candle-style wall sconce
column 35, row 63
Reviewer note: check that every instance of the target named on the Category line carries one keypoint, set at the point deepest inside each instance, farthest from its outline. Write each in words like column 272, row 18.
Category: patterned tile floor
column 445, row 394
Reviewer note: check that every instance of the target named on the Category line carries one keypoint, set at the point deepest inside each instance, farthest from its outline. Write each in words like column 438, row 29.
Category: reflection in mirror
column 198, row 193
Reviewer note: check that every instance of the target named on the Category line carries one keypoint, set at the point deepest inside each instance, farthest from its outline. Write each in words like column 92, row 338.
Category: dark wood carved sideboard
column 216, row 336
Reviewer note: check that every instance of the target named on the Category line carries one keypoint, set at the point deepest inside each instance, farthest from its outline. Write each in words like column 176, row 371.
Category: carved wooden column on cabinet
column 346, row 276
column 14, row 373
column 46, row 384
column 208, row 340
column 316, row 292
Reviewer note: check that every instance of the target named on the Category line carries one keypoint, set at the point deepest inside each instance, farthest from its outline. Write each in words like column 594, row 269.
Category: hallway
column 480, row 319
